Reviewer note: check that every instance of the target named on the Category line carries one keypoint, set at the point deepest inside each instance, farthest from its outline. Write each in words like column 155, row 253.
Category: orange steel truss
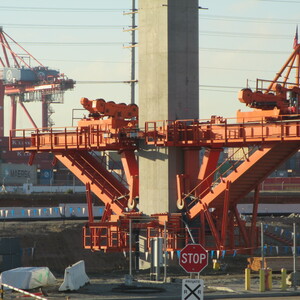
column 207, row 193
column 208, row 203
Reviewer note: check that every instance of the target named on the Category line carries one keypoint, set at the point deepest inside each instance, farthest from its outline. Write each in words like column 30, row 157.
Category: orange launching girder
column 202, row 195
column 207, row 195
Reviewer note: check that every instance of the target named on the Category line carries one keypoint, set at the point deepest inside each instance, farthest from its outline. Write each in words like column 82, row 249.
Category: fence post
column 283, row 279
column 269, row 278
column 247, row 279
column 262, row 287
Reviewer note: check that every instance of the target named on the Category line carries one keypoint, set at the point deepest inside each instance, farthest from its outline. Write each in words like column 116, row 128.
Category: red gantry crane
column 24, row 83
column 207, row 197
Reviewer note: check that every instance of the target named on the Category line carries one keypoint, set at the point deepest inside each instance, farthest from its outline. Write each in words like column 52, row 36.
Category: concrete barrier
column 75, row 277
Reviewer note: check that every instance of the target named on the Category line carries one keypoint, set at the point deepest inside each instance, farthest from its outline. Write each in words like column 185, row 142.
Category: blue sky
column 239, row 41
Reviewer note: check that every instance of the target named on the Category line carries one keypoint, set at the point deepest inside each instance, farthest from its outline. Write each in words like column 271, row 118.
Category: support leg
column 225, row 215
column 202, row 233
column 130, row 166
column 254, row 215
column 206, row 173
column 89, row 202
column 212, row 226
column 241, row 225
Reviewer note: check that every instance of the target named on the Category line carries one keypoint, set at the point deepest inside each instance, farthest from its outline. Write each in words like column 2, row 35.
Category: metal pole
column 165, row 251
column 130, row 248
column 158, row 252
column 133, row 42
column 294, row 258
column 262, row 245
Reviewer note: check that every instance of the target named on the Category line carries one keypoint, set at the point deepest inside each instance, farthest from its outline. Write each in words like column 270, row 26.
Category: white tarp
column 27, row 278
column 75, row 277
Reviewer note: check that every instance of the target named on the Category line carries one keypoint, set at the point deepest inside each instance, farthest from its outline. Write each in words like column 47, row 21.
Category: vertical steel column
column 231, row 231
column 224, row 227
column 45, row 105
column 262, row 245
column 294, row 257
column 2, row 91
column 89, row 202
column 13, row 115
column 212, row 226
column 191, row 166
column 208, row 167
column 202, row 233
column 131, row 170
column 254, row 215
column 242, row 226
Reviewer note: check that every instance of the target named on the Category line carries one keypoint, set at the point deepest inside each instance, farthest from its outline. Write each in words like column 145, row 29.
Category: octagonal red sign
column 193, row 258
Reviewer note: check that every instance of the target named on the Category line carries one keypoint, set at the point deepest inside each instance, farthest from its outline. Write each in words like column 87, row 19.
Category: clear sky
column 240, row 40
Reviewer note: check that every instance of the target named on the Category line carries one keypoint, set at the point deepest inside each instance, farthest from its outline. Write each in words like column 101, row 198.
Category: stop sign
column 193, row 258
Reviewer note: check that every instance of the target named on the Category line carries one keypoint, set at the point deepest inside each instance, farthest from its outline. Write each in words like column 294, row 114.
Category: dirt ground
column 58, row 244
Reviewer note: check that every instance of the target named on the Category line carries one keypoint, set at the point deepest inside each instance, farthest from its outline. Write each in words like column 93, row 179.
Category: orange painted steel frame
column 211, row 199
column 207, row 196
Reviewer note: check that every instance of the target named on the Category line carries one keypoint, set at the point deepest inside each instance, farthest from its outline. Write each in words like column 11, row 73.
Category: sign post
column 193, row 259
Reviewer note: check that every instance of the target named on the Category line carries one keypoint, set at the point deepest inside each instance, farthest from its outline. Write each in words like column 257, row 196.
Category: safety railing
column 105, row 236
column 111, row 165
column 48, row 139
column 219, row 130
column 208, row 183
column 110, row 236
column 25, row 293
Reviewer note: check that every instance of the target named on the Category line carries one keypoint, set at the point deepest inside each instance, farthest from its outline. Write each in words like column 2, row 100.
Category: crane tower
column 23, row 83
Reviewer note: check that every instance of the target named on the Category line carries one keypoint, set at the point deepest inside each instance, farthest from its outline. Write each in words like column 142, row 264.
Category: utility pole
column 133, row 43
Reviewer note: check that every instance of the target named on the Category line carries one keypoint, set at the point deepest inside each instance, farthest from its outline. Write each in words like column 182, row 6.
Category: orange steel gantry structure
column 23, row 83
column 207, row 197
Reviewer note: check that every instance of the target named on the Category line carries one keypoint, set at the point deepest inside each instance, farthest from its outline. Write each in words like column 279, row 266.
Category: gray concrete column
column 168, row 90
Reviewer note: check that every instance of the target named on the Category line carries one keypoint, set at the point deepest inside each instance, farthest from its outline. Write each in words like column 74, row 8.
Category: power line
column 236, row 69
column 129, row 81
column 85, row 61
column 219, row 86
column 61, row 9
column 283, row 1
column 102, row 81
column 248, row 19
column 245, row 35
column 88, row 27
column 244, row 51
column 63, row 26
column 220, row 91
column 72, row 43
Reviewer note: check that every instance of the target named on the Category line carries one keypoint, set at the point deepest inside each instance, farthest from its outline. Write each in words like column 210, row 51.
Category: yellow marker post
column 270, row 279
column 216, row 265
column 283, row 279
column 247, row 279
column 262, row 287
